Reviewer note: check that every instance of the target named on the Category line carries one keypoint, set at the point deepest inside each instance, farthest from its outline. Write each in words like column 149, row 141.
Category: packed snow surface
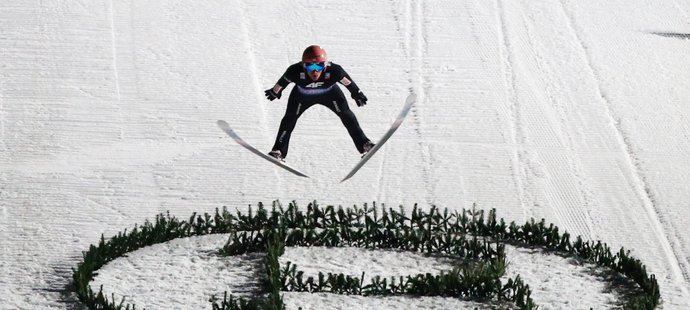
column 575, row 111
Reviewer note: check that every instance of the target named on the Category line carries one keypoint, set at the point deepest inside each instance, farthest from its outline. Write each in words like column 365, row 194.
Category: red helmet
column 314, row 53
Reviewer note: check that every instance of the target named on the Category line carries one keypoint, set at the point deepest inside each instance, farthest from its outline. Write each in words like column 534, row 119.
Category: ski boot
column 277, row 155
column 367, row 147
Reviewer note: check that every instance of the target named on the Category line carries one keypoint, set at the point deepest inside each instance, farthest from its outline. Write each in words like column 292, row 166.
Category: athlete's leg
column 338, row 104
column 294, row 110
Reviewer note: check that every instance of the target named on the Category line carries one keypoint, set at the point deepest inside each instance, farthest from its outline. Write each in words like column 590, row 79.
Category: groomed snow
column 575, row 111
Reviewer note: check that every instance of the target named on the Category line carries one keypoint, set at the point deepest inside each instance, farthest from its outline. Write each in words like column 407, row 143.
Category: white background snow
column 575, row 111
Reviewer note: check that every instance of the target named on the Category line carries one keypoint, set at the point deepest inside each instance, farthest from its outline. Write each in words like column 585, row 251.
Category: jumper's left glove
column 360, row 98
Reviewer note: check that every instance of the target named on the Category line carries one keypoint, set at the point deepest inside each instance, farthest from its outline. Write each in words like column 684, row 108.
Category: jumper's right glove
column 360, row 98
column 272, row 95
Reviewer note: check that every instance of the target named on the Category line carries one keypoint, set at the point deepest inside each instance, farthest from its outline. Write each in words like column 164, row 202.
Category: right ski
column 226, row 128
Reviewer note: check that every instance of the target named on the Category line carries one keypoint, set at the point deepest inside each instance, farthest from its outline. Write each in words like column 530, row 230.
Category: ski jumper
column 324, row 91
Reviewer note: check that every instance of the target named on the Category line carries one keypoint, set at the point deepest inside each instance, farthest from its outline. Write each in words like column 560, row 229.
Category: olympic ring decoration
column 474, row 238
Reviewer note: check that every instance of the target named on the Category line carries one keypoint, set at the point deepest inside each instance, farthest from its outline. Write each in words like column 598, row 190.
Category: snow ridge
column 250, row 53
column 645, row 191
column 114, row 49
column 517, row 135
column 418, row 52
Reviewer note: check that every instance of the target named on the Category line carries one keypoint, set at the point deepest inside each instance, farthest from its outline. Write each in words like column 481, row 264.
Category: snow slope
column 572, row 111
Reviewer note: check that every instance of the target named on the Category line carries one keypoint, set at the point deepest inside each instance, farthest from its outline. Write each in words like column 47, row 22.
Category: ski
column 396, row 124
column 226, row 128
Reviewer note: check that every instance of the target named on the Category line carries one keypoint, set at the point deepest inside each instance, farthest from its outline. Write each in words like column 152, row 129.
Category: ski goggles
column 314, row 66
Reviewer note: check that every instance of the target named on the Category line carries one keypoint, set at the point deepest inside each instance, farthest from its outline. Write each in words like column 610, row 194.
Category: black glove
column 271, row 95
column 359, row 98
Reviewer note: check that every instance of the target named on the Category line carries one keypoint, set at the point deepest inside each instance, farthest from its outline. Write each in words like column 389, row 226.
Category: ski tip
column 222, row 123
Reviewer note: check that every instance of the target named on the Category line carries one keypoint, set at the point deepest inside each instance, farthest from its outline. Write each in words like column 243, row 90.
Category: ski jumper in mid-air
column 316, row 81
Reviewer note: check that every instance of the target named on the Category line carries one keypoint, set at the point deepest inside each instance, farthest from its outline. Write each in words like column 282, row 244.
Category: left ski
column 398, row 121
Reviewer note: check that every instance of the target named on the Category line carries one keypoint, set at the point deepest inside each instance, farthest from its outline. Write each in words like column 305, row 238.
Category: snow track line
column 3, row 146
column 116, row 70
column 570, row 206
column 100, row 204
column 405, row 36
column 415, row 34
column 249, row 47
column 114, row 49
column 676, row 262
column 514, row 108
column 417, row 54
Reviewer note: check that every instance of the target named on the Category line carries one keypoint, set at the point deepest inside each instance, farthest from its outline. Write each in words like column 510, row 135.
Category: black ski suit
column 324, row 91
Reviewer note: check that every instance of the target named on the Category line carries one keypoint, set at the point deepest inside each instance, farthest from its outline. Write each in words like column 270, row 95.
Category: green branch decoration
column 474, row 238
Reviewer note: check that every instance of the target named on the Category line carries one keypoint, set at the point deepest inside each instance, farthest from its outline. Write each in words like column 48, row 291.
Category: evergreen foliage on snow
column 474, row 238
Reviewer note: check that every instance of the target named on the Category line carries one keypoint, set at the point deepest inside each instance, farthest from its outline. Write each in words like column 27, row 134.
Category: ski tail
column 226, row 128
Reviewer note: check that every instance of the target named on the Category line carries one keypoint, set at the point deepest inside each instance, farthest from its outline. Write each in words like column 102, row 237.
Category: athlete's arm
column 284, row 81
column 347, row 81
